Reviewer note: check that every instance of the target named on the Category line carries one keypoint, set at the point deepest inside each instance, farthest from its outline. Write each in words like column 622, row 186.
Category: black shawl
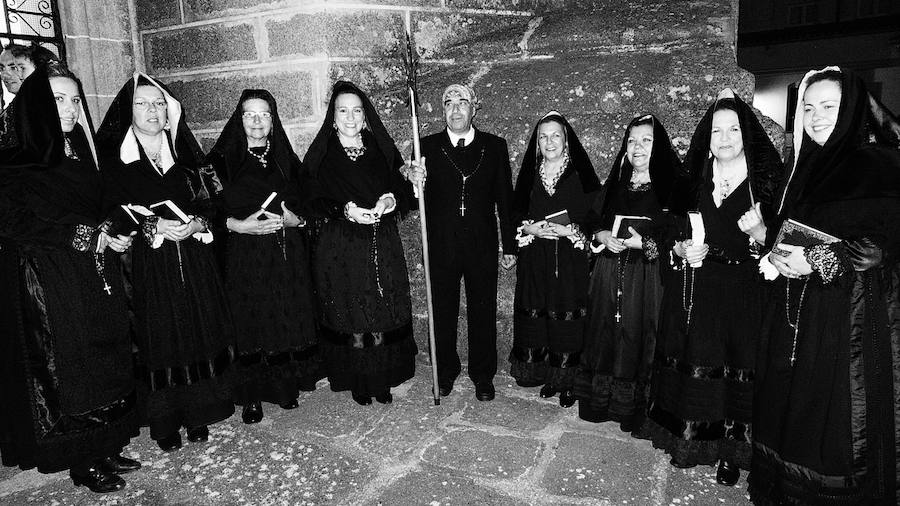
column 664, row 167
column 764, row 166
column 137, row 181
column 579, row 163
column 859, row 160
column 336, row 185
column 230, row 158
column 117, row 121
column 58, row 189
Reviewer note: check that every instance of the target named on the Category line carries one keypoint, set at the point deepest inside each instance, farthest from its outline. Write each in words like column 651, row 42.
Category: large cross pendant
column 107, row 288
column 462, row 197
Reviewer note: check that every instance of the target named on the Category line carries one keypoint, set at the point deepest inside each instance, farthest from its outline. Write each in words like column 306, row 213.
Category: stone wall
column 598, row 62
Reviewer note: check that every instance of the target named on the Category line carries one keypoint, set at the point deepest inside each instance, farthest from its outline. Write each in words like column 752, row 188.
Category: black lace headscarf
column 315, row 155
column 764, row 166
column 184, row 147
column 664, row 167
column 232, row 143
column 841, row 169
column 341, row 182
column 579, row 163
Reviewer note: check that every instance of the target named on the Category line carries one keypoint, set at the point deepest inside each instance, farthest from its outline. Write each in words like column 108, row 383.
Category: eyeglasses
column 250, row 115
column 143, row 105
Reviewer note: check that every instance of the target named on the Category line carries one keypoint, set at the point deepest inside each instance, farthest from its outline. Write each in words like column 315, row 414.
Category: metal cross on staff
column 411, row 63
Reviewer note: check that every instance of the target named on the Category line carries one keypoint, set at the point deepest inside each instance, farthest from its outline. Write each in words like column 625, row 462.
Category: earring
column 334, row 125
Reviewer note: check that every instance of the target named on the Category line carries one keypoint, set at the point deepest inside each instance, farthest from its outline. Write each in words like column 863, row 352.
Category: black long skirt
column 550, row 313
column 66, row 378
column 827, row 426
column 183, row 332
column 270, row 289
column 366, row 313
column 614, row 375
column 702, row 389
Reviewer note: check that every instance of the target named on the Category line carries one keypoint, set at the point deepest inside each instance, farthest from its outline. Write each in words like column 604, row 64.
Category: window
column 803, row 12
column 32, row 21
column 869, row 8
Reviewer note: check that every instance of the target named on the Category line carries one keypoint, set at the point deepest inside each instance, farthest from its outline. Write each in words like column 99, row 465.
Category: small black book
column 125, row 219
column 559, row 217
column 169, row 211
column 797, row 234
column 622, row 222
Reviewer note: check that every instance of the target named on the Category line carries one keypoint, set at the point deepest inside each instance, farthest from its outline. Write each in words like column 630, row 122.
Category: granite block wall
column 599, row 62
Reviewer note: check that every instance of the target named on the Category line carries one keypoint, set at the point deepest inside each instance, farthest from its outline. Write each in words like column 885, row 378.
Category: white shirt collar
column 130, row 153
column 469, row 137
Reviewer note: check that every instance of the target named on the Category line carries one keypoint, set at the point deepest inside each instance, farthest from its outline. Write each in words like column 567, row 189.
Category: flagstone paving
column 516, row 450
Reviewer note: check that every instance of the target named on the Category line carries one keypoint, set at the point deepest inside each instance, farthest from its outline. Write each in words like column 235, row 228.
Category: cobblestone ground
column 516, row 450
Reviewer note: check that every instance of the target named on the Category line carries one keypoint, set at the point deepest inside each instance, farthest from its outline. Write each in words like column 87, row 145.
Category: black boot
column 252, row 412
column 291, row 404
column 727, row 473
column 117, row 464
column 567, row 398
column 170, row 443
column 547, row 391
column 198, row 434
column 362, row 400
column 385, row 397
column 96, row 480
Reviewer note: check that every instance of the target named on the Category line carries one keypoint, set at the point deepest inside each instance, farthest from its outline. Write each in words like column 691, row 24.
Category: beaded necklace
column 262, row 157
column 465, row 178
column 787, row 313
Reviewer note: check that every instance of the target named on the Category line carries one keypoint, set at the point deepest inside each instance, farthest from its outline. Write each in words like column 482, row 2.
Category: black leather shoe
column 727, row 473
column 484, row 391
column 679, row 464
column 98, row 481
column 547, row 391
column 117, row 465
column 445, row 388
column 291, row 404
column 567, row 399
column 362, row 400
column 528, row 384
column 198, row 434
column 252, row 413
column 170, row 443
column 385, row 398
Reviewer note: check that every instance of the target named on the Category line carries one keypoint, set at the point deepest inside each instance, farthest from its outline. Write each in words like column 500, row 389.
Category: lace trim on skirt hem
column 694, row 452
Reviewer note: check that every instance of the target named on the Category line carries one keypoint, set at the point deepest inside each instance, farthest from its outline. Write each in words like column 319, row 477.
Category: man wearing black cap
column 469, row 185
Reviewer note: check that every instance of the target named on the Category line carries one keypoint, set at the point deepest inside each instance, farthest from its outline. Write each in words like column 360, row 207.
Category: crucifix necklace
column 98, row 264
column 465, row 178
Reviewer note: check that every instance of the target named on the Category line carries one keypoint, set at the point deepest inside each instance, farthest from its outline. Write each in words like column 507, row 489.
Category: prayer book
column 125, row 219
column 698, row 232
column 797, row 234
column 559, row 217
column 622, row 222
column 169, row 211
column 270, row 204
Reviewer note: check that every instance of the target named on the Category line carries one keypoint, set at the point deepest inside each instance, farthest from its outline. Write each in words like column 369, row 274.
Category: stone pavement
column 516, row 450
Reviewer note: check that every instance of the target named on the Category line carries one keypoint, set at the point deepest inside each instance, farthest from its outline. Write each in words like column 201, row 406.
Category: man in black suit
column 469, row 185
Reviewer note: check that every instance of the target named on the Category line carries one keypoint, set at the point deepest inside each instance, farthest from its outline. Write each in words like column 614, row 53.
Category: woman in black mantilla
column 66, row 383
column 826, row 427
column 702, row 387
column 358, row 261
column 626, row 287
column 267, row 270
column 551, row 280
column 182, row 323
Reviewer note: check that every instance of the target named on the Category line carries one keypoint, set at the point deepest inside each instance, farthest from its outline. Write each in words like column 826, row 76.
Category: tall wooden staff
column 411, row 61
